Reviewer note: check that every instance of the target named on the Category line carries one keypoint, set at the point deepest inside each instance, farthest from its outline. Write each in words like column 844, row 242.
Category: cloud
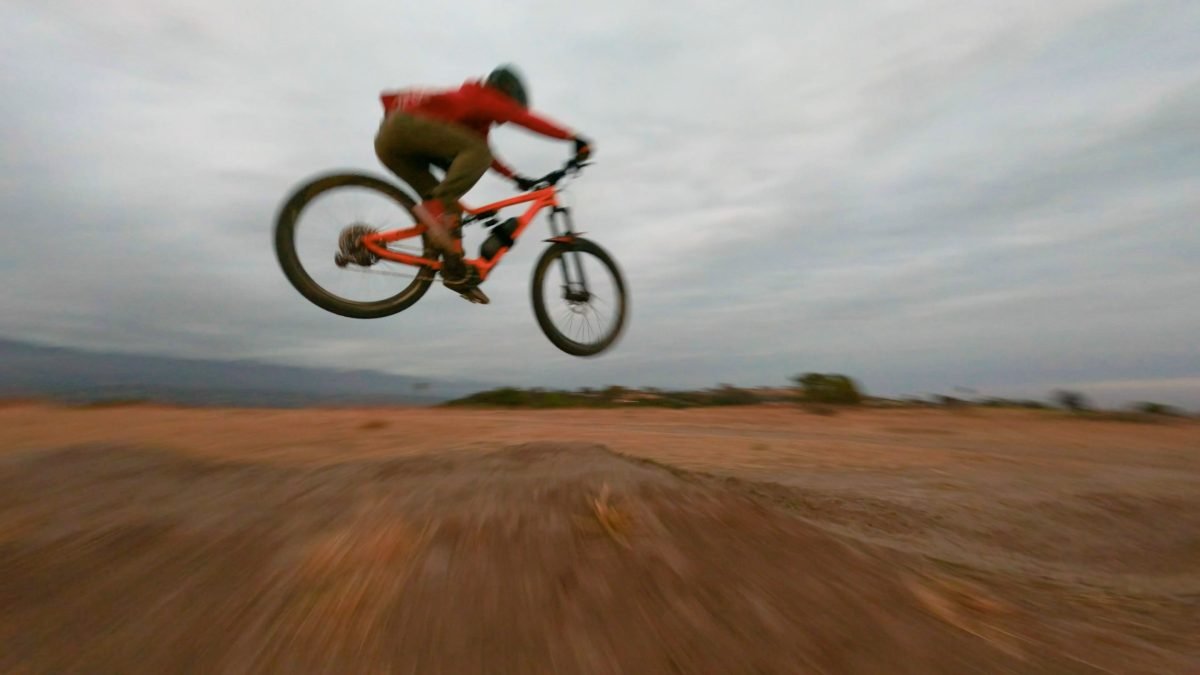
column 924, row 195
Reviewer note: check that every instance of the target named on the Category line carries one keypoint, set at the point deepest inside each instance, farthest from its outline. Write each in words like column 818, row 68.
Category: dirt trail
column 565, row 557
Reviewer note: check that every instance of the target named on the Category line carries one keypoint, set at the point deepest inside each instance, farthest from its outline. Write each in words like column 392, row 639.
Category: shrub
column 1151, row 408
column 828, row 388
column 1072, row 400
column 730, row 395
column 505, row 396
column 614, row 392
column 996, row 402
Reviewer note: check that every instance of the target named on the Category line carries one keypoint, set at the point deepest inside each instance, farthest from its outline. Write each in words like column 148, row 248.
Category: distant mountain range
column 73, row 375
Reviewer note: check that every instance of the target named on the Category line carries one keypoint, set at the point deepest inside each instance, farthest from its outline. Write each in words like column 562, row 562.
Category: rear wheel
column 317, row 243
column 579, row 297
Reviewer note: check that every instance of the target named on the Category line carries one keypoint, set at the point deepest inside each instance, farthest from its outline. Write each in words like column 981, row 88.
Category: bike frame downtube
column 545, row 198
column 537, row 200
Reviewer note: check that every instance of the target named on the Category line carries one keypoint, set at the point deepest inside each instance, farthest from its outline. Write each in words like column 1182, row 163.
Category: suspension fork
column 562, row 215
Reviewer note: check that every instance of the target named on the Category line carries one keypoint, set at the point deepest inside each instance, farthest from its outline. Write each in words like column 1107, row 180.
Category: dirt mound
column 539, row 558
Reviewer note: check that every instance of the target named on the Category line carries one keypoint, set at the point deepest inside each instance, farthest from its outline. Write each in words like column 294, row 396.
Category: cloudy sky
column 924, row 194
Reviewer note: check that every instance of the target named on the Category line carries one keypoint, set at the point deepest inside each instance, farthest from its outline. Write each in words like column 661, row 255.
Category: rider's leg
column 406, row 144
column 464, row 172
column 466, row 167
column 414, row 170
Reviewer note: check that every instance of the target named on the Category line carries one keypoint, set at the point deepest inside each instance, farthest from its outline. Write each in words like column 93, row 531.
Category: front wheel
column 579, row 297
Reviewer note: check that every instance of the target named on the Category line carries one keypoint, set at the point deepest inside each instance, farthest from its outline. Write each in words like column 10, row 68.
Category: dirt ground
column 741, row 540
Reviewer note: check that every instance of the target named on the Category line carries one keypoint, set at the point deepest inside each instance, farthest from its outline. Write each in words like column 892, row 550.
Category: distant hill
column 31, row 370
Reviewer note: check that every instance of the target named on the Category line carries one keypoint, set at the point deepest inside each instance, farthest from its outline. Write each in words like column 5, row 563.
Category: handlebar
column 572, row 167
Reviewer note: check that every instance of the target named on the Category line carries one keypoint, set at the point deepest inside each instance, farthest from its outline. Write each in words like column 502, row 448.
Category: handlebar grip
column 583, row 148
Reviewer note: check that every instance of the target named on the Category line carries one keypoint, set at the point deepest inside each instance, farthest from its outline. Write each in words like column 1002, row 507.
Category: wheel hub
column 577, row 296
column 351, row 248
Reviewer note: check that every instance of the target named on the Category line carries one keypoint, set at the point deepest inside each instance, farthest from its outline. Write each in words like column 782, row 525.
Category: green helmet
column 506, row 80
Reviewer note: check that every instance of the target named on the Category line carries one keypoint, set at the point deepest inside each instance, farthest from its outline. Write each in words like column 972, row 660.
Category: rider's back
column 473, row 105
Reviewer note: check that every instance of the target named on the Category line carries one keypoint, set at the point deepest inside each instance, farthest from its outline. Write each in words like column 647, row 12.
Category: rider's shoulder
column 403, row 98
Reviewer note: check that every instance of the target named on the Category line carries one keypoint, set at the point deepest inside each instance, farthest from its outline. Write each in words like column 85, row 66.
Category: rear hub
column 351, row 248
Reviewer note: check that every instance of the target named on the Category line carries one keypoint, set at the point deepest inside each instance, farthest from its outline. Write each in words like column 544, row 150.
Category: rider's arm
column 540, row 124
column 501, row 109
column 502, row 168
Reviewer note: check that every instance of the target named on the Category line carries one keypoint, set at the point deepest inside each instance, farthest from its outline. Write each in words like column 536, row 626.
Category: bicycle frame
column 537, row 200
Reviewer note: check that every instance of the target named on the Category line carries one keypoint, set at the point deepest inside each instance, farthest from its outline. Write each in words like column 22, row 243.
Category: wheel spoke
column 382, row 273
column 599, row 319
column 332, row 217
column 410, row 250
column 340, row 211
column 587, row 325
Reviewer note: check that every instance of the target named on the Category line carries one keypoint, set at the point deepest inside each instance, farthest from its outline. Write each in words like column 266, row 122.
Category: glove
column 524, row 183
column 583, row 148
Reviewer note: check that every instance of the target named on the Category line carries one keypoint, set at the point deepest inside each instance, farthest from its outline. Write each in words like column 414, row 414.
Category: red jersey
column 474, row 106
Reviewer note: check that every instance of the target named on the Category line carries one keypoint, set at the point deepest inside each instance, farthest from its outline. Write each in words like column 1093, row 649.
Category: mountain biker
column 448, row 129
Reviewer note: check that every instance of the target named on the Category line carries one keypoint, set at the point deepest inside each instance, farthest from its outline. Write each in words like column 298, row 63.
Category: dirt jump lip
column 551, row 556
column 539, row 553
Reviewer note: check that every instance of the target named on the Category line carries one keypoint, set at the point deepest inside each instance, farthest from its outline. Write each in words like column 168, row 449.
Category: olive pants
column 409, row 146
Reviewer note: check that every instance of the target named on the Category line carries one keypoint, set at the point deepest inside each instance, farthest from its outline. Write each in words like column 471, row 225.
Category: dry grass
column 616, row 523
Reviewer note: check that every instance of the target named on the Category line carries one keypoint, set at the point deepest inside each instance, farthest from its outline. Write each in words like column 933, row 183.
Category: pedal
column 474, row 296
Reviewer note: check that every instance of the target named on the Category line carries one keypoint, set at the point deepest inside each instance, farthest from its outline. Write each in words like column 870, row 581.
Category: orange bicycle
column 365, row 238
